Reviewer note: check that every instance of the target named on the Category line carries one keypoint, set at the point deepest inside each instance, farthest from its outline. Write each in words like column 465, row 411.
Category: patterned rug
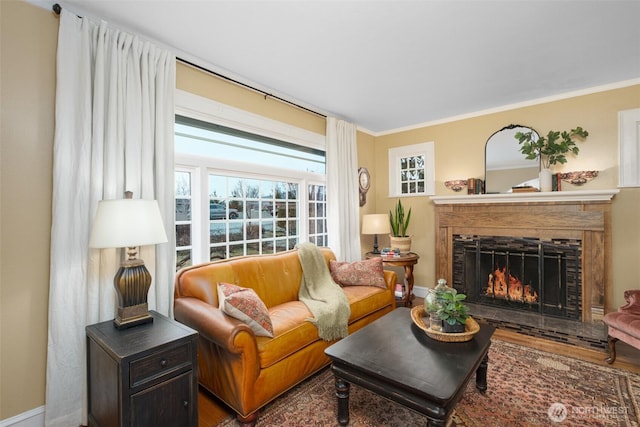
column 527, row 387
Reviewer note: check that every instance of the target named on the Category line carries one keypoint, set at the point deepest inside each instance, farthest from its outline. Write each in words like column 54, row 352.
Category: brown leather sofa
column 247, row 371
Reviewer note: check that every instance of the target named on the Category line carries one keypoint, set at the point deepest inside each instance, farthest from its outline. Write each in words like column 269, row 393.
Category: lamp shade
column 127, row 223
column 376, row 224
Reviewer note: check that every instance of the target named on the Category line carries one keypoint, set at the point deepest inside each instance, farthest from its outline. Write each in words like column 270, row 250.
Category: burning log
column 510, row 289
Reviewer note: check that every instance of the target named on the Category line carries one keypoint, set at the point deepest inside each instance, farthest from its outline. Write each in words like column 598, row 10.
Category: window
column 239, row 193
column 411, row 170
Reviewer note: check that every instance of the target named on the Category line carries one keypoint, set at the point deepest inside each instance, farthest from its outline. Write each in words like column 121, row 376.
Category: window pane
column 236, row 232
column 253, row 210
column 183, row 259
column 183, row 184
column 217, row 187
column 253, row 248
column 253, row 231
column 236, row 250
column 183, row 235
column 217, row 252
column 183, row 210
column 267, row 246
column 217, row 232
column 266, row 190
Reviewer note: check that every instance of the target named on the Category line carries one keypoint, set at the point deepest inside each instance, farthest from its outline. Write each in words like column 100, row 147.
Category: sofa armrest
column 211, row 323
column 632, row 296
column 390, row 278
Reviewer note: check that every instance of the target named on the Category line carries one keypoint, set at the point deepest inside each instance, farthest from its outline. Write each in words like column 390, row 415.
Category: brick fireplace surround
column 582, row 215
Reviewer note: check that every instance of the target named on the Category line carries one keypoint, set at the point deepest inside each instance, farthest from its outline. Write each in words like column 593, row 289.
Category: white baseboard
column 31, row 418
column 420, row 291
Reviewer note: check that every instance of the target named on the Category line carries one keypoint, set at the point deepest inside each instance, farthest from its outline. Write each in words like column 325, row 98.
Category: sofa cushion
column 369, row 272
column 365, row 300
column 292, row 331
column 245, row 305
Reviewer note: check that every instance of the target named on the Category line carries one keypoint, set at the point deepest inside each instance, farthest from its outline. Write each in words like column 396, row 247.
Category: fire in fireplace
column 520, row 273
column 509, row 288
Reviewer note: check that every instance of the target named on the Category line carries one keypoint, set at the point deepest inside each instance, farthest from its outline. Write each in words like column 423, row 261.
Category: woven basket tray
column 471, row 326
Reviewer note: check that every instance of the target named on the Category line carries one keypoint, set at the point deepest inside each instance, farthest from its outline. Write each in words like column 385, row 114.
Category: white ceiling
column 390, row 65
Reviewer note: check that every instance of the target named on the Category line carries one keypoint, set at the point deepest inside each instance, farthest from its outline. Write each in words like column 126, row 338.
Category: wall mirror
column 505, row 166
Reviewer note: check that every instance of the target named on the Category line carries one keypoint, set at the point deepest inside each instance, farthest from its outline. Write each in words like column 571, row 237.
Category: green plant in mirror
column 452, row 310
column 552, row 148
column 398, row 221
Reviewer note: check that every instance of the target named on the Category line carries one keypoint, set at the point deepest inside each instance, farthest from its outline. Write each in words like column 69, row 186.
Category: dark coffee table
column 395, row 359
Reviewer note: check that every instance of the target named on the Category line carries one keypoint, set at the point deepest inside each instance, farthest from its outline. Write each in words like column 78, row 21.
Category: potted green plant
column 452, row 311
column 551, row 149
column 399, row 223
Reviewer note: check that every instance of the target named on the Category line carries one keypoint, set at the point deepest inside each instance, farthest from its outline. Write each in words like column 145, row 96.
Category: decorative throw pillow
column 358, row 273
column 245, row 305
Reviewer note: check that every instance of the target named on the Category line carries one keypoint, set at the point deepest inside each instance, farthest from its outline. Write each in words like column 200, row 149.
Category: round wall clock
column 365, row 183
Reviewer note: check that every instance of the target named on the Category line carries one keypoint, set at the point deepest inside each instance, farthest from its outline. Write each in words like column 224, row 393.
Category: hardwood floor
column 211, row 411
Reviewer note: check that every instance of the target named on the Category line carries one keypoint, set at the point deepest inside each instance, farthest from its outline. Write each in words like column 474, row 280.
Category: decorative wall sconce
column 456, row 185
column 578, row 177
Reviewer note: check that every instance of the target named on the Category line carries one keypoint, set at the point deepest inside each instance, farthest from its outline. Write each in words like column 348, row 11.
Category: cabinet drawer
column 160, row 364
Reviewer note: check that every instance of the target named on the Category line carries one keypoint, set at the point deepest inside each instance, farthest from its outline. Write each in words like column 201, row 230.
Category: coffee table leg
column 481, row 374
column 342, row 392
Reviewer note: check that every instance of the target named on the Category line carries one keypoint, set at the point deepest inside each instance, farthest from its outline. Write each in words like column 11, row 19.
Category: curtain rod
column 58, row 9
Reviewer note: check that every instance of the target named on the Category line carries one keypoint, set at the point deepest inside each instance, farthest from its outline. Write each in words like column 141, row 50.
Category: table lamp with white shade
column 129, row 223
column 375, row 224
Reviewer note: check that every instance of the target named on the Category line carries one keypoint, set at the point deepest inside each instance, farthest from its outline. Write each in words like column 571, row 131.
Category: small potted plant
column 551, row 149
column 453, row 311
column 399, row 223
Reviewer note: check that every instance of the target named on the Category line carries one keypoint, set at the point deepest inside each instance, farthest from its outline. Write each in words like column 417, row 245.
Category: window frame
column 196, row 107
column 396, row 154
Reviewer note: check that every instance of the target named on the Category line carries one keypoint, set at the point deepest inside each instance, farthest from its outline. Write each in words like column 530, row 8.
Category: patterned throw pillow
column 245, row 305
column 358, row 273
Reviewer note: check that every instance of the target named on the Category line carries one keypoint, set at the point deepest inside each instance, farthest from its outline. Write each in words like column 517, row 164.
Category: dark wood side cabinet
column 142, row 376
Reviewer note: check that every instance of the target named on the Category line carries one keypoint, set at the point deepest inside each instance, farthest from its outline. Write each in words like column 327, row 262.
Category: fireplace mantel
column 545, row 196
column 582, row 215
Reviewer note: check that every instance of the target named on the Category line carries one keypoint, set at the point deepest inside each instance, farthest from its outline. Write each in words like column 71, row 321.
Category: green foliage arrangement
column 452, row 310
column 552, row 148
column 399, row 223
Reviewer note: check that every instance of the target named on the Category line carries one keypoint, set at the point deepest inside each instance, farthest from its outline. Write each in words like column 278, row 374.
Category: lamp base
column 132, row 284
column 128, row 317
column 375, row 251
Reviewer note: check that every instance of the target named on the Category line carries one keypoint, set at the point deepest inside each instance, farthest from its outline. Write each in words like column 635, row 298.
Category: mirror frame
column 521, row 158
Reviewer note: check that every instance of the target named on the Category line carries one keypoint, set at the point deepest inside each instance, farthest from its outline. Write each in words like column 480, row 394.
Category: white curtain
column 343, row 221
column 114, row 132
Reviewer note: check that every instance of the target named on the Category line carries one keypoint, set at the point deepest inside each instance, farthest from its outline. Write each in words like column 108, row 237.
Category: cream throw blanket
column 324, row 297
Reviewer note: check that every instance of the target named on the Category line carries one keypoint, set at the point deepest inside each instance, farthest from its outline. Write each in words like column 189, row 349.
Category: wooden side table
column 407, row 261
column 145, row 375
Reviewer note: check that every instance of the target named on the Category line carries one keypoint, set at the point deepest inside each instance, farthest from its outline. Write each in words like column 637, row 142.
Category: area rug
column 527, row 387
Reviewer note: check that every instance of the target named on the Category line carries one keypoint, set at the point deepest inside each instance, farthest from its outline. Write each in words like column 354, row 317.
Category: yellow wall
column 29, row 38
column 29, row 35
column 459, row 153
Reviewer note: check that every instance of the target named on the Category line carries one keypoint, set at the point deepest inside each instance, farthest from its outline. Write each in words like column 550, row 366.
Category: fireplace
column 525, row 274
column 572, row 228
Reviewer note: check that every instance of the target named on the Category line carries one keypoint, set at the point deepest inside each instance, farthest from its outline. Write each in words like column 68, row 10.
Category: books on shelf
column 475, row 186
column 400, row 291
column 556, row 182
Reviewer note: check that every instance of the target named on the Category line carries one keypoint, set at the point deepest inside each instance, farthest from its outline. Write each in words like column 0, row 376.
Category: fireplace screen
column 519, row 273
